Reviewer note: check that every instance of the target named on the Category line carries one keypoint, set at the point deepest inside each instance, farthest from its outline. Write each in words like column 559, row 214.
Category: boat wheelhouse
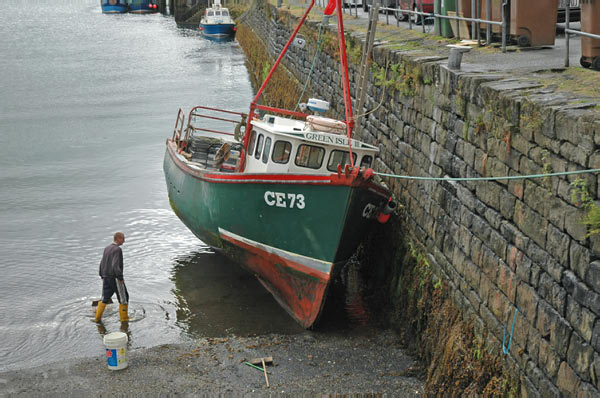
column 217, row 21
column 281, row 145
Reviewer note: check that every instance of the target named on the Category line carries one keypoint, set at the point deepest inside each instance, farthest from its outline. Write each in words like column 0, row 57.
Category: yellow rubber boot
column 99, row 311
column 123, row 312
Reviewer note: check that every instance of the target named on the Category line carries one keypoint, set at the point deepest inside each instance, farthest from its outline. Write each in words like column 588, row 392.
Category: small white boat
column 217, row 21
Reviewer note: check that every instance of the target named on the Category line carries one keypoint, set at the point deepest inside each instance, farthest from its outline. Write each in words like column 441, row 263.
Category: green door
column 445, row 6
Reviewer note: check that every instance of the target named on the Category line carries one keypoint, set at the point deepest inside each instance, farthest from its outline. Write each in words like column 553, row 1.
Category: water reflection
column 102, row 331
column 95, row 166
column 124, row 329
column 216, row 297
column 219, row 39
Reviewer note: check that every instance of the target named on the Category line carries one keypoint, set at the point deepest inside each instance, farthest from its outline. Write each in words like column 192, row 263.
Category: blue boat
column 143, row 6
column 113, row 6
column 217, row 22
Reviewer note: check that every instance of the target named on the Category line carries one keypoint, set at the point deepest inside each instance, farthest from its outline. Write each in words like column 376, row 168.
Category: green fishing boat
column 288, row 195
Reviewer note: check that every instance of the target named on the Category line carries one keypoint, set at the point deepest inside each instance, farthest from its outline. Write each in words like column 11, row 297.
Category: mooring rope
column 528, row 176
column 506, row 349
column 356, row 117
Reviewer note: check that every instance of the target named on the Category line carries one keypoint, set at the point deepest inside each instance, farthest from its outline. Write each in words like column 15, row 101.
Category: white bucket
column 116, row 350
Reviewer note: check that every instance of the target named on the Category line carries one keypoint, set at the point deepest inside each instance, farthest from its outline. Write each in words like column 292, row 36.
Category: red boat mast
column 345, row 81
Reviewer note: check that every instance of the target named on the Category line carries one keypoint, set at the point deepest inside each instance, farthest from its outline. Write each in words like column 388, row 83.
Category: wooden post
column 162, row 6
column 180, row 10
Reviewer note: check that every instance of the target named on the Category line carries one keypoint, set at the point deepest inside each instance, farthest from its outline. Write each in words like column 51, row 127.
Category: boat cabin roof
column 301, row 130
column 217, row 11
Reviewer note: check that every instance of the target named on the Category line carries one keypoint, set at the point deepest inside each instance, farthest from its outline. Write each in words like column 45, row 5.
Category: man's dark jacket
column 112, row 262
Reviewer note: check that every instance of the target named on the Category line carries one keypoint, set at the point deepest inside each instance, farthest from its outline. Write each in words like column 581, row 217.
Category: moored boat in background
column 217, row 21
column 288, row 195
column 113, row 6
column 143, row 6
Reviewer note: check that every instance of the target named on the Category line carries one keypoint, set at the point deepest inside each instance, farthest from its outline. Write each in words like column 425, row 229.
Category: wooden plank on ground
column 258, row 361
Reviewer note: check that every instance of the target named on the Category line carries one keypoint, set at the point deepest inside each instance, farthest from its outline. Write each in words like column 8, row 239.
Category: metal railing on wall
column 569, row 32
column 476, row 22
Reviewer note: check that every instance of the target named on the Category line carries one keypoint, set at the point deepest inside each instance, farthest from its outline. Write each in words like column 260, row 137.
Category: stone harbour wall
column 500, row 245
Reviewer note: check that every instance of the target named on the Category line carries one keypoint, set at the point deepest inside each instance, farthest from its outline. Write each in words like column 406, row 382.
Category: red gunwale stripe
column 268, row 177
column 271, row 256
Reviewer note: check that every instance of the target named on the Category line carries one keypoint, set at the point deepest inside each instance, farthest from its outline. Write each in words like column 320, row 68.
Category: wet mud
column 357, row 361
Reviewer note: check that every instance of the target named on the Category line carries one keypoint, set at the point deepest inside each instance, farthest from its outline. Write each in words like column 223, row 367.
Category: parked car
column 351, row 3
column 366, row 4
column 414, row 5
column 575, row 14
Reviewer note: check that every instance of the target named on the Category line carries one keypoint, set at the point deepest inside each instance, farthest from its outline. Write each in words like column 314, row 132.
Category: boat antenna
column 345, row 81
column 253, row 105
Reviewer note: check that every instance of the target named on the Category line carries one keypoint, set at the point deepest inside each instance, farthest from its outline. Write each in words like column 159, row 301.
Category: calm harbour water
column 86, row 102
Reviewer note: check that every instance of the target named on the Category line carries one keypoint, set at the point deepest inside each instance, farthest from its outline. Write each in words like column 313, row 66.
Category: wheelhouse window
column 310, row 156
column 209, row 13
column 265, row 156
column 281, row 152
column 259, row 145
column 339, row 157
column 225, row 13
column 217, row 13
column 252, row 142
column 366, row 161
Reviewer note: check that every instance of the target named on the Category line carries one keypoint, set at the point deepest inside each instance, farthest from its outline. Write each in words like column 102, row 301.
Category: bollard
column 455, row 58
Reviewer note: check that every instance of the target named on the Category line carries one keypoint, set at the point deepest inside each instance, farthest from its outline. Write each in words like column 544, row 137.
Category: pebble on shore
column 358, row 361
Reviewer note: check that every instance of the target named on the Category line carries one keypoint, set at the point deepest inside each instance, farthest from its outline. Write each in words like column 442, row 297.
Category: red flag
column 330, row 7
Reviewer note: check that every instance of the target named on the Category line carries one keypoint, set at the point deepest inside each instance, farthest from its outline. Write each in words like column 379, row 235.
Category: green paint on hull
column 313, row 231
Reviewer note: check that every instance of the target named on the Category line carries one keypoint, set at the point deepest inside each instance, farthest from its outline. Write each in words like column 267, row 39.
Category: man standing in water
column 111, row 272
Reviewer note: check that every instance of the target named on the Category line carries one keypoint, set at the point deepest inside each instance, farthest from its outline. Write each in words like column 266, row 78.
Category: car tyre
column 596, row 63
column 584, row 62
column 523, row 41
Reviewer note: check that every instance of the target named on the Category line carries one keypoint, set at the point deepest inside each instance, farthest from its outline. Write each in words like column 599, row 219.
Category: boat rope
column 522, row 177
column 387, row 64
column 374, row 109
column 319, row 42
column 505, row 348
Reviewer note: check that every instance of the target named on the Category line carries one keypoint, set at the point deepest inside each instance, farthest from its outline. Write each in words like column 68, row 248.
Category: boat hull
column 142, row 7
column 143, row 11
column 218, row 30
column 291, row 231
column 114, row 9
